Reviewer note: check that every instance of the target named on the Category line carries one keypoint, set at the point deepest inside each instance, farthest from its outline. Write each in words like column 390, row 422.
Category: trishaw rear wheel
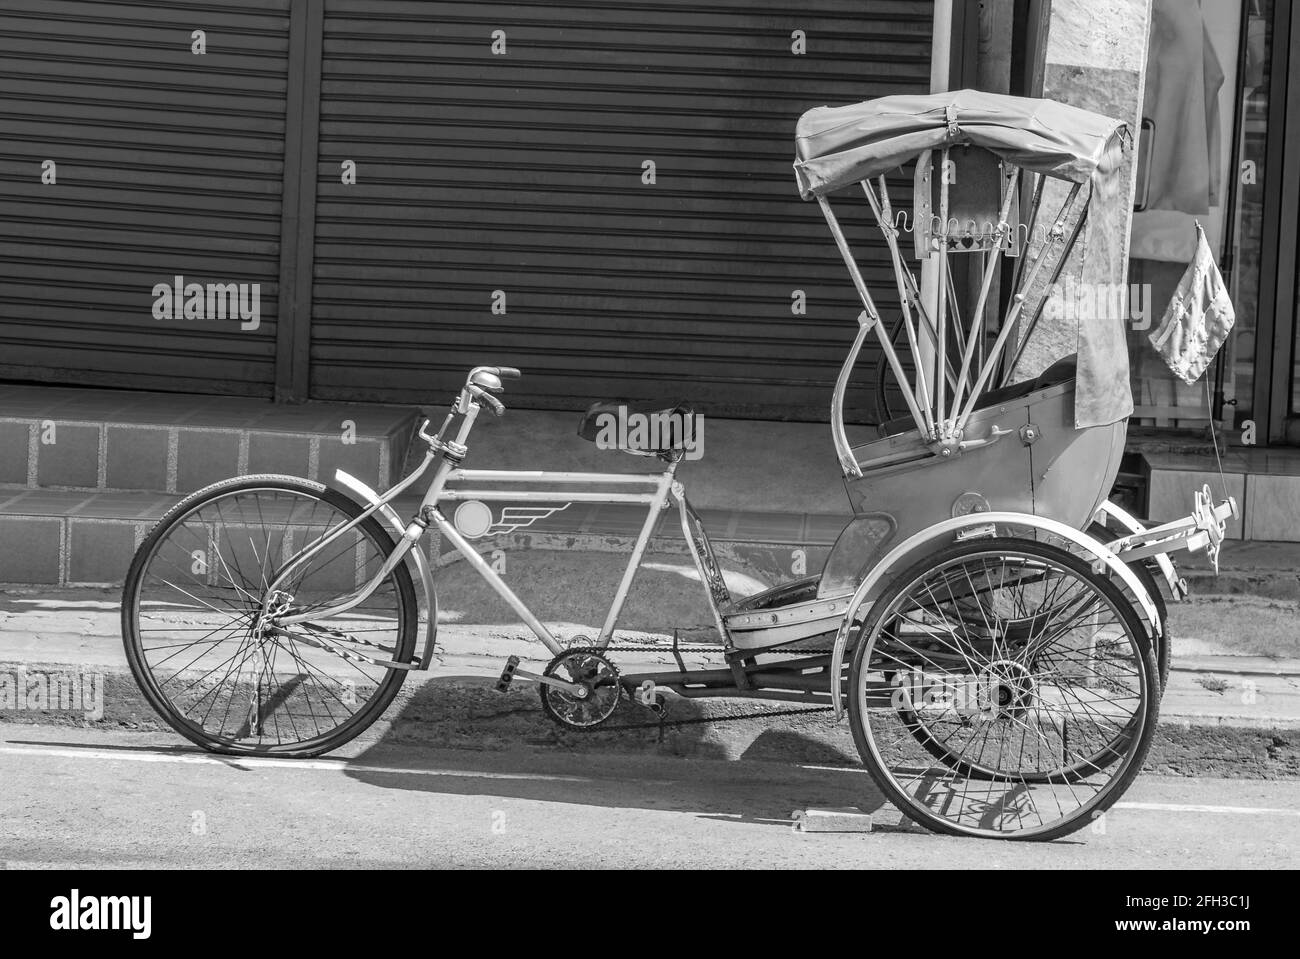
column 1030, row 678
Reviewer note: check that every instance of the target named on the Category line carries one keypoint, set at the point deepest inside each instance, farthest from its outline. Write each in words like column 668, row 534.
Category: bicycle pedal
column 507, row 674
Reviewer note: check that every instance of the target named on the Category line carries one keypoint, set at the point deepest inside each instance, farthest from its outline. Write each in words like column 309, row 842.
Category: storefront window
column 1187, row 174
column 1295, row 353
column 1247, row 231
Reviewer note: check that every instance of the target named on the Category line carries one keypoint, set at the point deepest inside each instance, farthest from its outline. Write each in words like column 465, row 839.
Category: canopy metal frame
column 941, row 401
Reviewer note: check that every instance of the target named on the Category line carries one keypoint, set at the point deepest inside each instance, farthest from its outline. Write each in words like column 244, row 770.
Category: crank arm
column 574, row 688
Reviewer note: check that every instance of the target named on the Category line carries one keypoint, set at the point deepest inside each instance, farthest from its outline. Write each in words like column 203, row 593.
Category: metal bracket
column 977, row 532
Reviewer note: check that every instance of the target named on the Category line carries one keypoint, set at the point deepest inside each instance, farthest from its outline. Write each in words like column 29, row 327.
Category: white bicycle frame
column 656, row 491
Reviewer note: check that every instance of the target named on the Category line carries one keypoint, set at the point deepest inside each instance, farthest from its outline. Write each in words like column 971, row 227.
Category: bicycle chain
column 698, row 720
column 663, row 724
column 707, row 649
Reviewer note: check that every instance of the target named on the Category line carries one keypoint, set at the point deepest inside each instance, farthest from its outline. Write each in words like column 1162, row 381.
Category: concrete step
column 1265, row 483
column 53, row 438
column 82, row 537
column 71, row 537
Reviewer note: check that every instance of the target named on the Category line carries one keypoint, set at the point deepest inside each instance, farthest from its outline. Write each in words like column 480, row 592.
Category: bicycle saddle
column 640, row 427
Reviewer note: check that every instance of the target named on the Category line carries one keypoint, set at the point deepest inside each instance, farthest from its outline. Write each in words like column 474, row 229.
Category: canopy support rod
column 873, row 317
column 1018, row 303
column 884, row 218
column 976, row 323
column 941, row 309
column 848, row 462
column 1031, row 225
column 924, row 322
column 926, row 327
column 1042, row 302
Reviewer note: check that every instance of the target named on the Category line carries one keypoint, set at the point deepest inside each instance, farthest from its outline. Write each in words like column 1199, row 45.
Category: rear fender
column 933, row 538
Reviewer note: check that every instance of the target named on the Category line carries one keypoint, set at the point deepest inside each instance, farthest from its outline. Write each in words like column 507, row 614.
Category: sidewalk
column 1231, row 708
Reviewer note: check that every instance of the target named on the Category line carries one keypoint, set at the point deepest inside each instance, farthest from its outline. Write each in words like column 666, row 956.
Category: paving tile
column 96, row 405
column 136, row 458
column 203, row 457
column 44, row 502
column 144, row 507
column 278, row 453
column 14, row 440
column 1273, row 508
column 99, row 552
column 31, row 550
column 10, row 494
column 71, row 460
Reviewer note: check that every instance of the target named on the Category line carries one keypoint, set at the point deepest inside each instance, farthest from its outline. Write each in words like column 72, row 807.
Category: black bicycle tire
column 350, row 729
column 1135, row 757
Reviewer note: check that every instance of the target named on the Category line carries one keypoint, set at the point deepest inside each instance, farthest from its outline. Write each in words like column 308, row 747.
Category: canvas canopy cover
column 836, row 147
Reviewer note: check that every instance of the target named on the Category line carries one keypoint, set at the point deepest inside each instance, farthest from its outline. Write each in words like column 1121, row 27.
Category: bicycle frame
column 656, row 492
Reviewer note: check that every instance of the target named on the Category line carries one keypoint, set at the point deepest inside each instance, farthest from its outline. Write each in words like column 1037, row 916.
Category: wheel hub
column 1006, row 689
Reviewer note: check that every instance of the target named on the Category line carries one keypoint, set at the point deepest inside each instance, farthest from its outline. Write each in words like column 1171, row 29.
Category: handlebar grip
column 508, row 373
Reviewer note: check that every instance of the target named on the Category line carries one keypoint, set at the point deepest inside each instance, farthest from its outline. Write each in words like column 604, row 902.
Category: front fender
column 933, row 537
column 364, row 492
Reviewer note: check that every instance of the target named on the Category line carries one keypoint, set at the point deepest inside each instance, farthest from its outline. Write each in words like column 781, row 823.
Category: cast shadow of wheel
column 502, row 745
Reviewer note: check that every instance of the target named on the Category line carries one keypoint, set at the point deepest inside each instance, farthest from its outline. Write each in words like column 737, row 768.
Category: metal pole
column 843, row 451
column 873, row 317
column 1031, row 225
column 941, row 308
column 977, row 326
column 882, row 212
column 634, row 561
column 1018, row 303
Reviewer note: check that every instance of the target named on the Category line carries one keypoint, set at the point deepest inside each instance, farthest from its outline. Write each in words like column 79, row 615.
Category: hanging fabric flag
column 1198, row 318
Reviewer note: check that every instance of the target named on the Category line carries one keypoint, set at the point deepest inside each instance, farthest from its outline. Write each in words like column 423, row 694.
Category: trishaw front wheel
column 1029, row 677
column 199, row 642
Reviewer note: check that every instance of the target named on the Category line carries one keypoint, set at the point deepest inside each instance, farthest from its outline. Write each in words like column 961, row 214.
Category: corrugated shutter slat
column 168, row 163
column 522, row 173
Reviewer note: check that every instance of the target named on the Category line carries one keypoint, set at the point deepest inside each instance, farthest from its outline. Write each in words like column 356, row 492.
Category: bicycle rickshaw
column 997, row 651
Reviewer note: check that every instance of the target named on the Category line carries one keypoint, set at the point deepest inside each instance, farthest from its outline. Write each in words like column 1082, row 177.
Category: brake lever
column 494, row 404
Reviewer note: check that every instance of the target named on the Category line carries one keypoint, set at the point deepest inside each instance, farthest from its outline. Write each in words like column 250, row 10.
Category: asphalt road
column 77, row 797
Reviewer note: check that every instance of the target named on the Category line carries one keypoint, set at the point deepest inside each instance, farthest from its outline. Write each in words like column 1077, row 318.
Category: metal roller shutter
column 168, row 163
column 522, row 172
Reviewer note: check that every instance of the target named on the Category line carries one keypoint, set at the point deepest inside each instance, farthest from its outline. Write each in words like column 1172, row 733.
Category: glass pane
column 1295, row 351
column 1248, row 230
column 1186, row 175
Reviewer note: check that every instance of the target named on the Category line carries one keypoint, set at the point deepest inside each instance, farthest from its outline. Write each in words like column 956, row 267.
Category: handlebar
column 480, row 383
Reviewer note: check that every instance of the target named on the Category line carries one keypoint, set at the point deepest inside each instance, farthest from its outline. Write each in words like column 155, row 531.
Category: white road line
column 1197, row 807
column 1141, row 806
column 334, row 765
column 339, row 765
